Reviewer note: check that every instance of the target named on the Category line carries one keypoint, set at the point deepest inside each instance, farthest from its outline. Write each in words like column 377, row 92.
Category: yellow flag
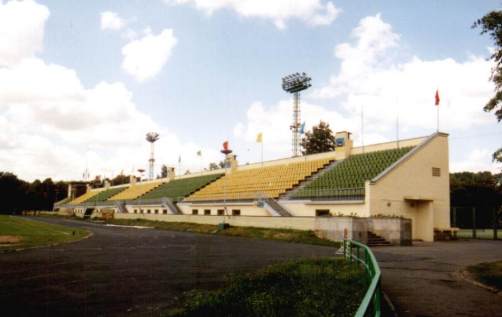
column 259, row 138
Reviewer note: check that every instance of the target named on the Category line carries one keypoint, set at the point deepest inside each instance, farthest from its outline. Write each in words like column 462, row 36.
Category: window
column 135, row 211
column 322, row 212
column 207, row 212
column 164, row 211
column 436, row 171
column 221, row 212
column 141, row 210
column 156, row 211
column 148, row 211
column 195, row 211
column 236, row 212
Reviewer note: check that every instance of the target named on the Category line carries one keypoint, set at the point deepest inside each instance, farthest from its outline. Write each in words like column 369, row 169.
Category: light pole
column 225, row 151
column 295, row 83
column 151, row 137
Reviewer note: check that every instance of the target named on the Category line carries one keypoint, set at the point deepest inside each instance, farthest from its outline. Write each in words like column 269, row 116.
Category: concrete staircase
column 171, row 206
column 376, row 241
column 274, row 208
column 308, row 179
column 121, row 206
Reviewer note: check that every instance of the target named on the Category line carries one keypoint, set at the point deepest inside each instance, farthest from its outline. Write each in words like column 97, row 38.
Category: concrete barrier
column 395, row 230
column 331, row 228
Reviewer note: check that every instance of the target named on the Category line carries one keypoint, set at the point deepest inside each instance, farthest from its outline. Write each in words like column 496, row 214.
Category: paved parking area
column 124, row 271
column 421, row 280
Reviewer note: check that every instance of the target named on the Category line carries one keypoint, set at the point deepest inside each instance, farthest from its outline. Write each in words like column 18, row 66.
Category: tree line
column 18, row 195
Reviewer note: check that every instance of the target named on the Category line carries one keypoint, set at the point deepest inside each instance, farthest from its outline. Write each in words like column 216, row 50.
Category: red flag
column 437, row 98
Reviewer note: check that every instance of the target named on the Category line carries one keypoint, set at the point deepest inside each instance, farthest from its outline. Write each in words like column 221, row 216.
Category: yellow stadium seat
column 136, row 191
column 85, row 196
column 268, row 181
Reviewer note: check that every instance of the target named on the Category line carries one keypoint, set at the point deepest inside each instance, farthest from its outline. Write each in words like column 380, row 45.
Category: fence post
column 474, row 222
column 497, row 215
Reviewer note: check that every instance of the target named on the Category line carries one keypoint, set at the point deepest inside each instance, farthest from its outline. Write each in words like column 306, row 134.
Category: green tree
column 20, row 195
column 491, row 24
column 480, row 190
column 319, row 140
column 475, row 189
column 163, row 171
column 120, row 179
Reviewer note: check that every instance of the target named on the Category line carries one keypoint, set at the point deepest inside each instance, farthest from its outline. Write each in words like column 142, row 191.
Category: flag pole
column 397, row 130
column 436, row 103
column 397, row 123
column 437, row 117
column 262, row 152
column 362, row 126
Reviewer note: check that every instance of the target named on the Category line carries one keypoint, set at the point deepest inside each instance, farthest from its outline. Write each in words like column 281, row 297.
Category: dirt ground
column 128, row 272
column 7, row 240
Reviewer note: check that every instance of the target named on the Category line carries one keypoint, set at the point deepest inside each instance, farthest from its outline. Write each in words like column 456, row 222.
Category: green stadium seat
column 346, row 179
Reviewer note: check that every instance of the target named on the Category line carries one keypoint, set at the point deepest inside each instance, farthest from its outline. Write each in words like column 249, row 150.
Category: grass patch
column 480, row 234
column 322, row 287
column 24, row 233
column 488, row 273
column 288, row 235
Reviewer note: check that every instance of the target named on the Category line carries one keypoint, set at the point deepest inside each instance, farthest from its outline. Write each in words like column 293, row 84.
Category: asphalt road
column 421, row 280
column 125, row 271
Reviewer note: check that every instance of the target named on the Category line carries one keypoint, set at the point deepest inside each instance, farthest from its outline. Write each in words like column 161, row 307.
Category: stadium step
column 275, row 208
column 375, row 240
column 171, row 206
column 308, row 179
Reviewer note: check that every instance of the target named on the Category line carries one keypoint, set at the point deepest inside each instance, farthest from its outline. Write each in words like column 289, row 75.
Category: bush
column 323, row 287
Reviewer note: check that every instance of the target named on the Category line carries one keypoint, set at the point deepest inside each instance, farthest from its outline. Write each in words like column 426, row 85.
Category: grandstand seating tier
column 348, row 176
column 180, row 188
column 103, row 195
column 254, row 183
column 136, row 190
column 84, row 197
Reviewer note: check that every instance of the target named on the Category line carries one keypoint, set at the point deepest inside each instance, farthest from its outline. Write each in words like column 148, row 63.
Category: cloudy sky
column 81, row 82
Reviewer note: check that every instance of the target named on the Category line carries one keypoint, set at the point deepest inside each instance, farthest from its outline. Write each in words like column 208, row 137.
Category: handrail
column 353, row 193
column 371, row 303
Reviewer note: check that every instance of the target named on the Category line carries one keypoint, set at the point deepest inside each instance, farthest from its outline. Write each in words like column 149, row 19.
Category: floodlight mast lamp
column 295, row 83
column 151, row 137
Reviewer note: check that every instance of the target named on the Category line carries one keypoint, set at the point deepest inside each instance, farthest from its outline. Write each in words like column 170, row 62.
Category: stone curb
column 391, row 307
column 466, row 276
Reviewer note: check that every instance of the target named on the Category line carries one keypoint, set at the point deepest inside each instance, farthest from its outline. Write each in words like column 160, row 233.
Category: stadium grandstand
column 405, row 182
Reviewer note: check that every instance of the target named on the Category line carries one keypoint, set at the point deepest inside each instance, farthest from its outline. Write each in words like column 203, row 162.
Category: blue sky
column 221, row 79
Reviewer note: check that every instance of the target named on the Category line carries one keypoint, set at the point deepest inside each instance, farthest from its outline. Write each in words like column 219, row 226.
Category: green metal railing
column 360, row 254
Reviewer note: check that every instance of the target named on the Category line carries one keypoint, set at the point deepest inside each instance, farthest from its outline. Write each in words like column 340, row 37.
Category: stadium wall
column 307, row 208
column 332, row 228
column 410, row 190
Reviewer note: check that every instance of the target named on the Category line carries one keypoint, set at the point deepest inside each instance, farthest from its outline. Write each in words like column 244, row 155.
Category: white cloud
column 371, row 75
column 111, row 21
column 49, row 120
column 21, row 30
column 54, row 126
column 478, row 160
column 375, row 72
column 145, row 57
column 312, row 12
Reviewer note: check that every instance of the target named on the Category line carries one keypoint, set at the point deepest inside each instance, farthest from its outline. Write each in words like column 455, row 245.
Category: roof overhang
column 416, row 199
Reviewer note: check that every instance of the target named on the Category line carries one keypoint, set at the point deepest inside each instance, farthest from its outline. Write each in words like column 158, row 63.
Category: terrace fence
column 360, row 254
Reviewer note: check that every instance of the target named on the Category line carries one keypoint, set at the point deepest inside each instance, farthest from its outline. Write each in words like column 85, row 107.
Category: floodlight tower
column 151, row 137
column 295, row 83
